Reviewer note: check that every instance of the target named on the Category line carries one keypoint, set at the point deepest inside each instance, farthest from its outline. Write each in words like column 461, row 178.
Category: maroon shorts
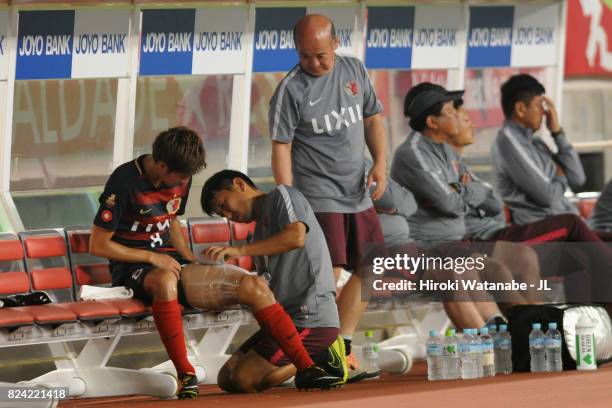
column 315, row 340
column 352, row 238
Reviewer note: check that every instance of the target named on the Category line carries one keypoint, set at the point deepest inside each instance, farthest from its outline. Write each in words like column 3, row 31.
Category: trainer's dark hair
column 295, row 31
column 181, row 149
column 517, row 88
column 221, row 180
column 419, row 123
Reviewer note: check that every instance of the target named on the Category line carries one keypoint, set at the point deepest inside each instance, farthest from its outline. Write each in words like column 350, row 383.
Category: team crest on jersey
column 351, row 88
column 106, row 216
column 110, row 201
column 173, row 205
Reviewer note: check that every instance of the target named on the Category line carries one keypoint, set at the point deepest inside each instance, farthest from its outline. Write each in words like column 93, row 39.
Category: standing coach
column 322, row 115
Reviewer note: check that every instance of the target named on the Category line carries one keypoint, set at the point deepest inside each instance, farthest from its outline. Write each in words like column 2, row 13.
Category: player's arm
column 527, row 175
column 281, row 163
column 100, row 244
column 292, row 236
column 178, row 241
column 567, row 157
column 377, row 145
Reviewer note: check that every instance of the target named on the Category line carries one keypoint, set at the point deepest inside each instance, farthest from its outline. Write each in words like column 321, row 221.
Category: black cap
column 426, row 99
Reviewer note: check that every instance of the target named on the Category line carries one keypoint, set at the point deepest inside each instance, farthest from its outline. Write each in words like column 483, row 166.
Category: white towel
column 88, row 292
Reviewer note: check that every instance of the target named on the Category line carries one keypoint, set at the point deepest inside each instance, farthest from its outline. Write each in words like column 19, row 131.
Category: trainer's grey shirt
column 323, row 119
column 525, row 169
column 428, row 169
column 601, row 219
column 302, row 279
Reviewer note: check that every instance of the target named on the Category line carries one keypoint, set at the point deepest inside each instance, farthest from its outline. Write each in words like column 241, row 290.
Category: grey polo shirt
column 322, row 118
column 302, row 279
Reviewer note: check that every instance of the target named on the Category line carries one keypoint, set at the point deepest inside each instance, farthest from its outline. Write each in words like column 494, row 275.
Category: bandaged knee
column 212, row 287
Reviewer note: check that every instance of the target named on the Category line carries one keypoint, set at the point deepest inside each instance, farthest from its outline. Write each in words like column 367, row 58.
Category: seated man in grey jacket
column 531, row 178
column 450, row 195
column 396, row 204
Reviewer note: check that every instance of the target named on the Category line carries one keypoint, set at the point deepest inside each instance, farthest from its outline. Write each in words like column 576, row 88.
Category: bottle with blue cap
column 503, row 351
column 537, row 350
column 553, row 348
column 488, row 353
column 471, row 366
column 434, row 356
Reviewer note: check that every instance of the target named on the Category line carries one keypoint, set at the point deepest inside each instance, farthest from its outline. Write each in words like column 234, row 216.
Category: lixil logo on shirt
column 335, row 120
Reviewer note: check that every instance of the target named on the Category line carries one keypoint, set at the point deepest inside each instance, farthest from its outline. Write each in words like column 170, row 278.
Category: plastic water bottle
column 553, row 349
column 503, row 351
column 537, row 349
column 470, row 355
column 488, row 353
column 370, row 354
column 451, row 362
column 434, row 356
column 585, row 344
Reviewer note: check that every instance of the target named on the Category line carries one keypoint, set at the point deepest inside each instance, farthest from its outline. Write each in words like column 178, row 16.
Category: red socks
column 274, row 320
column 167, row 316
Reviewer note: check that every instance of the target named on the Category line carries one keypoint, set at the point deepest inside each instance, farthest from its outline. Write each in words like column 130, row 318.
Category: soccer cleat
column 355, row 372
column 188, row 384
column 314, row 377
column 335, row 360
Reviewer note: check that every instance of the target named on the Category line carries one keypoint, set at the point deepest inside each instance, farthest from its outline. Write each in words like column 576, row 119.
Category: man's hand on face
column 552, row 117
column 222, row 253
column 378, row 175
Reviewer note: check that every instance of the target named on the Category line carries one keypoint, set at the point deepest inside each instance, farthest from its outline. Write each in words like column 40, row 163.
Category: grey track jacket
column 525, row 170
column 429, row 169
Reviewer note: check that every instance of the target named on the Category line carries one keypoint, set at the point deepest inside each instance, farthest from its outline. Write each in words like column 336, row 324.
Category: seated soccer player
column 601, row 219
column 291, row 256
column 531, row 178
column 137, row 230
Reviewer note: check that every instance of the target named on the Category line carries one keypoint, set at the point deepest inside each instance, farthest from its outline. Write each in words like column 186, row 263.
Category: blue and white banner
column 193, row 41
column 166, row 42
column 520, row 36
column 437, row 31
column 72, row 44
column 101, row 44
column 274, row 49
column 490, row 36
column 389, row 37
column 534, row 39
column 44, row 44
column 219, row 43
column 3, row 44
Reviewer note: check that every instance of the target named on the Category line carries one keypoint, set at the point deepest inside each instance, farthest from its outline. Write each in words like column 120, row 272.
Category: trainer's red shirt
column 138, row 212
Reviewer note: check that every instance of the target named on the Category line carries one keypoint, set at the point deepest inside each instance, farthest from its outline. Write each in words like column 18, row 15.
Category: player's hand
column 222, row 253
column 552, row 117
column 163, row 261
column 559, row 171
column 466, row 179
column 378, row 175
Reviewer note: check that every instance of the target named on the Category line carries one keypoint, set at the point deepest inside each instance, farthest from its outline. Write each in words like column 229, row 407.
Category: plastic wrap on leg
column 211, row 287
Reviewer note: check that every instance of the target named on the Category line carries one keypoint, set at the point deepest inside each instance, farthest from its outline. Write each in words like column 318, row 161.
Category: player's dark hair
column 419, row 123
column 181, row 149
column 519, row 88
column 221, row 180
column 295, row 33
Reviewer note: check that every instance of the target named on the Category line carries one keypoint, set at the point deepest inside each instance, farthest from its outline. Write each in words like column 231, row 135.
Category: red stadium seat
column 241, row 232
